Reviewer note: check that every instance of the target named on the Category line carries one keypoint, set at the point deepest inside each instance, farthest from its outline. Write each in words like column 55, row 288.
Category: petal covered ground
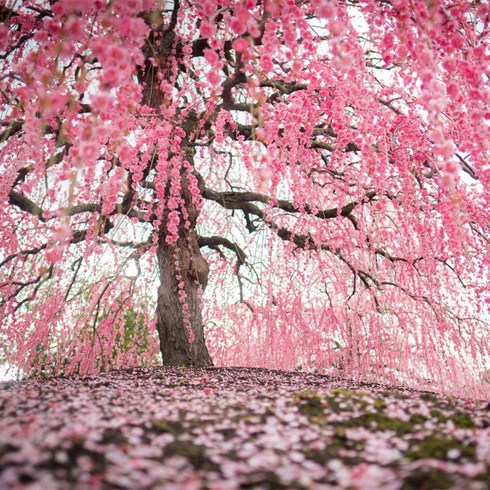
column 227, row 428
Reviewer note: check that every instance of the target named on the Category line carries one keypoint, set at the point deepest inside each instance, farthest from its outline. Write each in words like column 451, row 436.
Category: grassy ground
column 218, row 428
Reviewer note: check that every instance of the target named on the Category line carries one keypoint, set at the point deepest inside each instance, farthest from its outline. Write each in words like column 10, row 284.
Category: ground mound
column 227, row 428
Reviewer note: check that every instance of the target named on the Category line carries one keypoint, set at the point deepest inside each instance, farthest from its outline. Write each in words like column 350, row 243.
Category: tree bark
column 179, row 323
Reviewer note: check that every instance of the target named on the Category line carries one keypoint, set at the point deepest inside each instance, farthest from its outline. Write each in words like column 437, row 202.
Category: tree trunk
column 176, row 345
column 179, row 323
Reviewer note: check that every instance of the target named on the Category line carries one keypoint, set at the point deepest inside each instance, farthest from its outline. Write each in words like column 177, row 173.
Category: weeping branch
column 214, row 242
column 39, row 281
column 76, row 269
column 25, row 204
column 78, row 236
column 244, row 200
column 466, row 167
column 13, row 128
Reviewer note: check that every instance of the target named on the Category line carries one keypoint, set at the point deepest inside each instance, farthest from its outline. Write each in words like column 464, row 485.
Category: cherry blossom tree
column 305, row 182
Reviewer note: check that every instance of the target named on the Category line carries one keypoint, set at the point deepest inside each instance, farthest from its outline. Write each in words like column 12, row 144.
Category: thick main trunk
column 181, row 342
column 179, row 323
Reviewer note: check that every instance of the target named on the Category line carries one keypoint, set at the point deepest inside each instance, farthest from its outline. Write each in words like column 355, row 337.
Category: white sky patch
column 7, row 373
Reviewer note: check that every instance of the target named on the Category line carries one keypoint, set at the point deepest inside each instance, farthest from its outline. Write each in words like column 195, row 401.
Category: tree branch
column 25, row 204
column 215, row 242
column 78, row 236
column 13, row 128
column 243, row 201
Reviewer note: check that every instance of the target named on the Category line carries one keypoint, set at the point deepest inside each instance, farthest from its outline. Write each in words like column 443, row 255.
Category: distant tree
column 321, row 166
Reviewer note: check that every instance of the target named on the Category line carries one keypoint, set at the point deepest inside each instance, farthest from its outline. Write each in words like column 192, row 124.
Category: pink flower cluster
column 112, row 188
column 173, row 227
column 193, row 187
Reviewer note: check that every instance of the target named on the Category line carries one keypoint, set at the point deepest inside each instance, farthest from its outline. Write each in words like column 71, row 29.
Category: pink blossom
column 63, row 233
column 266, row 63
column 127, row 153
column 54, row 103
column 215, row 43
column 240, row 45
column 213, row 77
column 174, row 217
column 211, row 56
column 172, row 203
column 253, row 28
column 238, row 25
column 101, row 102
column 3, row 37
column 208, row 7
column 358, row 199
column 111, row 76
column 54, row 254
column 208, row 29
column 337, row 28
column 74, row 29
column 88, row 150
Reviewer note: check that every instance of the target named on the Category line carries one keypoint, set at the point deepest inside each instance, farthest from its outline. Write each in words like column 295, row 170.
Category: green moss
column 308, row 395
column 178, row 383
column 114, row 436
column 354, row 396
column 428, row 478
column 334, row 403
column 340, row 433
column 429, row 397
column 485, row 476
column 438, row 415
column 166, row 426
column 350, row 393
column 417, row 419
column 338, row 442
column 381, row 422
column 195, row 454
column 438, row 447
column 342, row 400
column 267, row 480
column 312, row 406
column 394, row 394
column 70, row 469
column 227, row 433
column 463, row 420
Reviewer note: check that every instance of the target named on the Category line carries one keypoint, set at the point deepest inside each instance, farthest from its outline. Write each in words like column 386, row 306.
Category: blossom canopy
column 299, row 182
